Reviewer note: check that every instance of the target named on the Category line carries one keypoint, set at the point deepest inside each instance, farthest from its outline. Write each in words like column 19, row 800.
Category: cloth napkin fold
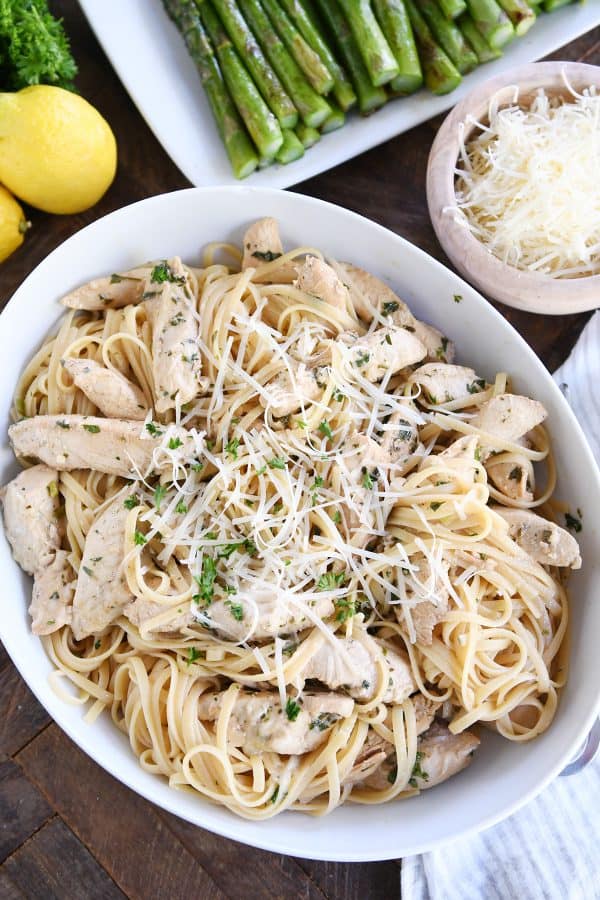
column 549, row 850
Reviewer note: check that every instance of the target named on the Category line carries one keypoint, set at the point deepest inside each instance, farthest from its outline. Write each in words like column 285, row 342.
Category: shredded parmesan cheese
column 528, row 186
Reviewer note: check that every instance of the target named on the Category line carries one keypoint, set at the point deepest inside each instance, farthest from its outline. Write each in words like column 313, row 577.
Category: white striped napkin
column 550, row 850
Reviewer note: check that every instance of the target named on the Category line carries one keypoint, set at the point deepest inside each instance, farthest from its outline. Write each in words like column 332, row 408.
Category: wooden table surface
column 67, row 829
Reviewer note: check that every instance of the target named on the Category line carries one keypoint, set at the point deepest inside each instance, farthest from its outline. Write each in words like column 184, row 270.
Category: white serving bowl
column 503, row 775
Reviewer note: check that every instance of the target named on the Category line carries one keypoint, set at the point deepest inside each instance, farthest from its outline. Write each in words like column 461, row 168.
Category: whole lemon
column 13, row 224
column 57, row 153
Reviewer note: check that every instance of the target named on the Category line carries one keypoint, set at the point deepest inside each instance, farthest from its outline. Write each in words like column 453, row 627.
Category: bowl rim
column 529, row 291
column 234, row 827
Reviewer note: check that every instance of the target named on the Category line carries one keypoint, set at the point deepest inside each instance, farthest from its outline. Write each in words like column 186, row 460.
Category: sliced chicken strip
column 442, row 383
column 370, row 294
column 289, row 394
column 102, row 592
column 401, row 682
column 425, row 710
column 399, row 441
column 111, row 392
column 512, row 478
column 463, row 448
column 262, row 243
column 112, row 292
column 544, row 541
column 140, row 612
column 426, row 616
column 437, row 345
column 344, row 662
column 429, row 612
column 274, row 613
column 319, row 280
column 442, row 754
column 381, row 776
column 30, row 502
column 384, row 350
column 509, row 416
column 374, row 752
column 351, row 664
column 52, row 596
column 113, row 446
column 176, row 360
column 259, row 723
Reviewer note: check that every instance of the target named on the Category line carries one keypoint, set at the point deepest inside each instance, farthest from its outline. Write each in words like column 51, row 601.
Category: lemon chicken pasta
column 300, row 554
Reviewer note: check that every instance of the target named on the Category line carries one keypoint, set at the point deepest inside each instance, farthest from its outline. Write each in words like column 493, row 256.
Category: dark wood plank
column 22, row 808
column 354, row 881
column 266, row 875
column 21, row 716
column 54, row 864
column 8, row 889
column 123, row 832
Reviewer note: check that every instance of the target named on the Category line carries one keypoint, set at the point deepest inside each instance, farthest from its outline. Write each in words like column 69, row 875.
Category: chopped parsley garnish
column 181, row 507
column 573, row 523
column 323, row 721
column 441, row 351
column 52, row 489
column 392, row 774
column 236, row 610
column 61, row 424
column 516, row 474
column 457, row 298
column 417, row 771
column 276, row 463
column 88, row 571
column 292, row 709
column 391, row 306
column 261, row 471
column 159, row 494
column 163, row 272
column 152, row 429
column 435, row 505
column 93, row 429
column 369, row 478
column 175, row 443
column 227, row 549
column 476, row 386
column 330, row 581
column 139, row 538
column 266, row 255
column 193, row 655
column 478, row 454
column 325, row 429
column 362, row 359
column 97, row 645
column 231, row 447
column 336, row 516
column 300, row 423
column 345, row 608
column 274, row 795
column 131, row 502
column 206, row 581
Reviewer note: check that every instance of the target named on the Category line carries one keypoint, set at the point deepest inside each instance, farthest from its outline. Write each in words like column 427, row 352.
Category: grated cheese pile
column 528, row 186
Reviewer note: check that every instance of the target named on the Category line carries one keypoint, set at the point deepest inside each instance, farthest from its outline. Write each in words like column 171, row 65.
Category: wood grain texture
column 72, row 831
column 54, row 865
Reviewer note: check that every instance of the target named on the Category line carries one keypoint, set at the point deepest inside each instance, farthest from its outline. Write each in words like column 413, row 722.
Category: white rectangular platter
column 151, row 60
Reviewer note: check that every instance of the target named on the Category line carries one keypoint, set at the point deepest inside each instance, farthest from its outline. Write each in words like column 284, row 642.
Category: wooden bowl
column 531, row 291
